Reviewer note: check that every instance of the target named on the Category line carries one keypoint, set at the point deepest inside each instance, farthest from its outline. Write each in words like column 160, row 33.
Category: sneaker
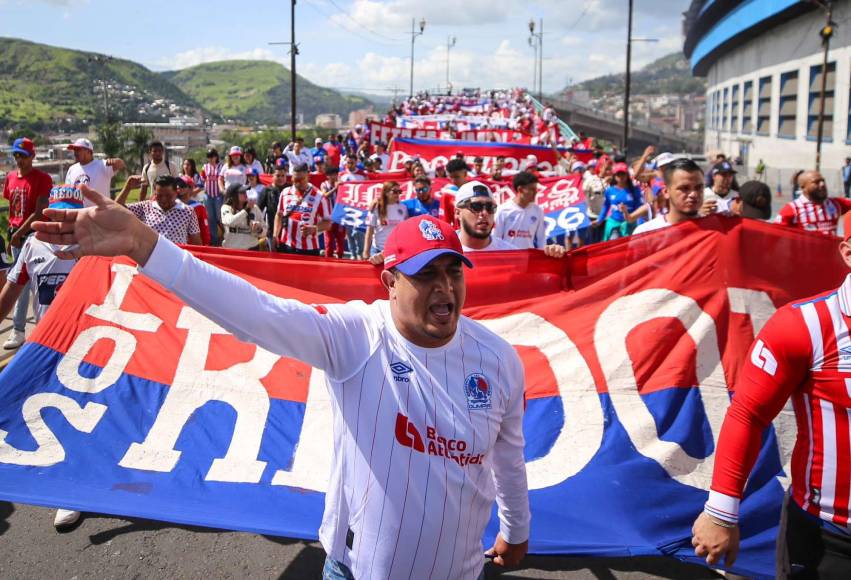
column 65, row 519
column 16, row 339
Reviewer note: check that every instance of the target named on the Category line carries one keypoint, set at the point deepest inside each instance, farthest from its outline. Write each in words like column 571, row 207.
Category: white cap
column 577, row 165
column 472, row 189
column 82, row 144
column 663, row 159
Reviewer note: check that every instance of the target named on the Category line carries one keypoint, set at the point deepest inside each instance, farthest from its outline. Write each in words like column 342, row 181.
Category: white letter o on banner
column 610, row 334
column 68, row 369
column 582, row 433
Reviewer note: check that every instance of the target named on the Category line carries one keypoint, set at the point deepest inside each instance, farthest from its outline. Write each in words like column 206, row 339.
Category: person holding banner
column 520, row 221
column 385, row 214
column 424, row 203
column 800, row 354
column 38, row 267
column 619, row 200
column 303, row 213
column 475, row 207
column 445, row 427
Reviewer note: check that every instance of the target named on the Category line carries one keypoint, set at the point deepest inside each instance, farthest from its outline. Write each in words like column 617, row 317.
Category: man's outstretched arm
column 335, row 338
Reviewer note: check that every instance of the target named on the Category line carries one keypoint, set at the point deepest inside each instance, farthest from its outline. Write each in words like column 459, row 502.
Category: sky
column 363, row 45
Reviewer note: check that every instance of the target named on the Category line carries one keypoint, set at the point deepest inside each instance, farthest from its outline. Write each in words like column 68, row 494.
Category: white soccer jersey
column 424, row 438
column 523, row 227
column 39, row 265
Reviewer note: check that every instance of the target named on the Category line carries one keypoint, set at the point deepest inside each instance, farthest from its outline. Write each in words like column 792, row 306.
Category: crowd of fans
column 228, row 201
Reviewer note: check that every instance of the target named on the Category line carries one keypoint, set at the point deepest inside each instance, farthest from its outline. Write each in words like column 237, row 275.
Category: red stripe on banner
column 633, row 278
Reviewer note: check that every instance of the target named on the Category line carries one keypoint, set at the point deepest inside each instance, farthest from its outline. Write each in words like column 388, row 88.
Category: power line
column 362, row 25
column 336, row 22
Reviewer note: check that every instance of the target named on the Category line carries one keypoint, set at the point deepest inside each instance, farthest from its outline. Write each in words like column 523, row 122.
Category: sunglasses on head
column 478, row 206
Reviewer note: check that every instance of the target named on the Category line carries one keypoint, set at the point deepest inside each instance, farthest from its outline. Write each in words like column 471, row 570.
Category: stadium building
column 763, row 63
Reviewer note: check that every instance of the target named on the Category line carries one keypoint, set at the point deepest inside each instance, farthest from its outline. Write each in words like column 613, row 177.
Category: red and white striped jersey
column 425, row 439
column 296, row 209
column 815, row 217
column 803, row 352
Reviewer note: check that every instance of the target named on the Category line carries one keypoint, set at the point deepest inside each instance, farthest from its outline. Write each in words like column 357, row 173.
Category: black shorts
column 813, row 551
column 290, row 250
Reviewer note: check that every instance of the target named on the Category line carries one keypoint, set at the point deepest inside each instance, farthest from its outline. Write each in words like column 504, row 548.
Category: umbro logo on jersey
column 762, row 358
column 845, row 352
column 478, row 391
column 399, row 370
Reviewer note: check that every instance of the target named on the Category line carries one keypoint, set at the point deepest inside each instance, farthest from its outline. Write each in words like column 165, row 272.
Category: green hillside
column 258, row 92
column 669, row 74
column 48, row 87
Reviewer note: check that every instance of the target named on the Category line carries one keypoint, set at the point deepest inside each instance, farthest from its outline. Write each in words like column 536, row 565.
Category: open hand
column 107, row 229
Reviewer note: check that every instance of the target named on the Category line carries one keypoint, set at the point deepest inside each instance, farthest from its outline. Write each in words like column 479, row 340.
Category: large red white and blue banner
column 383, row 133
column 561, row 198
column 126, row 401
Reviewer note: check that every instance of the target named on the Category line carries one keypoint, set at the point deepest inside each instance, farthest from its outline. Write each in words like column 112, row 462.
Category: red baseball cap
column 417, row 241
column 620, row 168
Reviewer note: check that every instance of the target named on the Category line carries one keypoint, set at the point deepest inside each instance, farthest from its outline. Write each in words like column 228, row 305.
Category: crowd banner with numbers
column 561, row 198
column 126, row 401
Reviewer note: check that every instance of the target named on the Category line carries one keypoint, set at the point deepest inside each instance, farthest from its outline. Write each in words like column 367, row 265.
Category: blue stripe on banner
column 95, row 482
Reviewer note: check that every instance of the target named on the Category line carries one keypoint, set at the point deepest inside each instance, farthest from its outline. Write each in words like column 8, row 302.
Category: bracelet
column 720, row 522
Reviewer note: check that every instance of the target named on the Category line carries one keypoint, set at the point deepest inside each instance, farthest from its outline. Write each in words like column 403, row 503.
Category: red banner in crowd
column 630, row 348
column 495, row 136
column 433, row 152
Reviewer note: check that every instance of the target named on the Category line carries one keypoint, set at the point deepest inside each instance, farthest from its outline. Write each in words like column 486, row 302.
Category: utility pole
column 414, row 35
column 102, row 61
column 627, row 80
column 825, row 34
column 450, row 42
column 293, row 53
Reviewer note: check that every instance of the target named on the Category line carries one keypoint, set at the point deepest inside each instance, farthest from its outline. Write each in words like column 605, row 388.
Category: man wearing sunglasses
column 474, row 210
column 424, row 203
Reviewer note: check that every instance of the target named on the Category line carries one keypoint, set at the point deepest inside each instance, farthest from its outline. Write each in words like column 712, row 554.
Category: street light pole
column 536, row 41
column 627, row 80
column 825, row 34
column 450, row 42
column 414, row 35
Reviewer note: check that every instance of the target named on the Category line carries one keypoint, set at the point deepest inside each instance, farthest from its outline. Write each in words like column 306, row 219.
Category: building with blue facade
column 763, row 63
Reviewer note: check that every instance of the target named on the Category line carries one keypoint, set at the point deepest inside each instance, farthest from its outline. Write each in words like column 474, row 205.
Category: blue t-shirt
column 614, row 196
column 416, row 207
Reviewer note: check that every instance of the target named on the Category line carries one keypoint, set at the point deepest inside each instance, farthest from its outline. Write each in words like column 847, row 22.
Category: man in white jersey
column 96, row 173
column 520, row 221
column 474, row 210
column 427, row 404
column 684, row 192
column 39, row 265
column 720, row 195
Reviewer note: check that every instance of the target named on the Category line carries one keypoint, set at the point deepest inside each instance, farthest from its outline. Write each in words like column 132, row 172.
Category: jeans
column 356, row 241
column 335, row 570
column 214, row 216
column 22, row 306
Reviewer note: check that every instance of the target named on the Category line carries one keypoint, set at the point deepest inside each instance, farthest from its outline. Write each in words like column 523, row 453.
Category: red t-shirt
column 22, row 193
column 203, row 222
column 333, row 153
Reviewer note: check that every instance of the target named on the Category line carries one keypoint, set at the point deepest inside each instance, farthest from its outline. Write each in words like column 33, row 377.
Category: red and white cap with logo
column 417, row 241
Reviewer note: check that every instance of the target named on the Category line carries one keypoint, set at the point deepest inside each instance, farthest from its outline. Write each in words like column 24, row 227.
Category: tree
column 136, row 141
column 110, row 138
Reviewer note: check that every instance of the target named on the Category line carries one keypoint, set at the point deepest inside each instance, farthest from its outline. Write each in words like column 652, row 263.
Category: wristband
column 719, row 522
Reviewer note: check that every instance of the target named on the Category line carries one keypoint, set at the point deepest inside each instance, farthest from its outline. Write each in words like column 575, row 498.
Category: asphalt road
column 107, row 547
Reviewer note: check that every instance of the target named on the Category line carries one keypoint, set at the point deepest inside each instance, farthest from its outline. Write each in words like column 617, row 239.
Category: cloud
column 201, row 55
